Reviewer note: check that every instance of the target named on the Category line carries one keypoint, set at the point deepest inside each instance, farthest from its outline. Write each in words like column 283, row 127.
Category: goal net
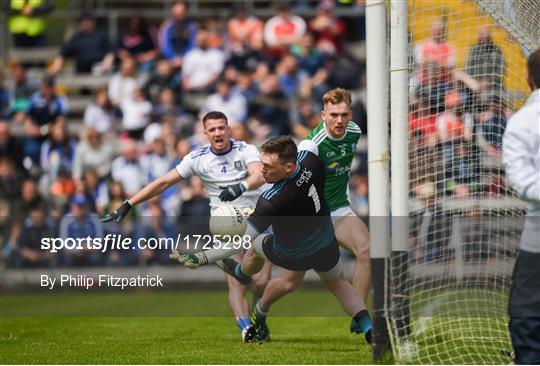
column 448, row 298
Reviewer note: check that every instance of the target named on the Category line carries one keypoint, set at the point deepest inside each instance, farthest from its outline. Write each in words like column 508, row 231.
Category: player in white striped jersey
column 230, row 171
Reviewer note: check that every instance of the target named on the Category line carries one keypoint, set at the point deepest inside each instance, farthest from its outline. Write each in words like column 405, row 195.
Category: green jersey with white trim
column 337, row 156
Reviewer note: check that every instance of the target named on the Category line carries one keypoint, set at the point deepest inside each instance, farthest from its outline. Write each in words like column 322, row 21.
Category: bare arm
column 156, row 187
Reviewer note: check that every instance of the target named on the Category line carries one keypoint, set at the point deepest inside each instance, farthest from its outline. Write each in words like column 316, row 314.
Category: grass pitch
column 308, row 327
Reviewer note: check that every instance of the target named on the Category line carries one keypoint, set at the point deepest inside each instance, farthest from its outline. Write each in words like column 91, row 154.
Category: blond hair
column 336, row 96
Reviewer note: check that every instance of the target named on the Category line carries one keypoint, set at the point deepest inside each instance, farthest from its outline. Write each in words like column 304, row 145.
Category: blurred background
column 98, row 98
column 101, row 97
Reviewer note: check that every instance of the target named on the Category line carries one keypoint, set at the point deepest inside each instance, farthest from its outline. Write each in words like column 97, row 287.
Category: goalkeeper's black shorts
column 324, row 260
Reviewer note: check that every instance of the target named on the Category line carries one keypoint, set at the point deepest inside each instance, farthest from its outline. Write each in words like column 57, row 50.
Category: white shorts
column 340, row 212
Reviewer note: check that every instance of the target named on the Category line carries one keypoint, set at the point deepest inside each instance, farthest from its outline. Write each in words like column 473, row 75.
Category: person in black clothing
column 137, row 42
column 88, row 46
column 28, row 252
column 10, row 147
column 303, row 235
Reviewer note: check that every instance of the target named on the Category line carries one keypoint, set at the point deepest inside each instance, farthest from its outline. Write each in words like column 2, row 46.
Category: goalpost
column 457, row 72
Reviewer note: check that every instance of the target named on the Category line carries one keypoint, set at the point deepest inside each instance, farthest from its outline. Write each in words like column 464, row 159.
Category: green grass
column 308, row 327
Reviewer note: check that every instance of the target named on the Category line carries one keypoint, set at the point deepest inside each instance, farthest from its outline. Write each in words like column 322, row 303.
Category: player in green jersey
column 334, row 141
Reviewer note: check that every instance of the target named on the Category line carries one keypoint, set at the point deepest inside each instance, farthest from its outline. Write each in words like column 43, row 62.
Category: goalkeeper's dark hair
column 214, row 115
column 533, row 67
column 283, row 146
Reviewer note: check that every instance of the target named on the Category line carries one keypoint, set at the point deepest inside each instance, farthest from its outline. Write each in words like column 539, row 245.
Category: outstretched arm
column 151, row 190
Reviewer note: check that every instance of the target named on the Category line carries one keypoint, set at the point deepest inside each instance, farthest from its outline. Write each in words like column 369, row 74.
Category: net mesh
column 449, row 294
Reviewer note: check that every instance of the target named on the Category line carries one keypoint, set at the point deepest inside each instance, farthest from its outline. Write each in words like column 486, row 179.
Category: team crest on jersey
column 330, row 154
column 238, row 165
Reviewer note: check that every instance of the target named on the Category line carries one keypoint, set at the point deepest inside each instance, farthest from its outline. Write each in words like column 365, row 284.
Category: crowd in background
column 266, row 75
column 456, row 124
column 458, row 116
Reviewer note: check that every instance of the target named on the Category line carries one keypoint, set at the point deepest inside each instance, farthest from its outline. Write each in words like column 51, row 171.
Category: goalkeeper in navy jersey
column 303, row 235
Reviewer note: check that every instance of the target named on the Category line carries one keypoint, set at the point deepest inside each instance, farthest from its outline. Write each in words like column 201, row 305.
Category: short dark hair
column 49, row 81
column 214, row 115
column 533, row 67
column 283, row 146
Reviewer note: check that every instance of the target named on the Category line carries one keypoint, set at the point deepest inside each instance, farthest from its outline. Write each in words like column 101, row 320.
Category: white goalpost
column 456, row 72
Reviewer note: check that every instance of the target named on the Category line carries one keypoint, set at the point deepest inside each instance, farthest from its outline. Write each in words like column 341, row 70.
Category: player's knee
column 260, row 281
column 289, row 286
column 236, row 288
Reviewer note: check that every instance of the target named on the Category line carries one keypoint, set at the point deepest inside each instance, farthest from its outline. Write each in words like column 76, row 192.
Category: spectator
column 89, row 47
column 310, row 59
column 117, row 196
column 11, row 147
column 156, row 225
column 167, row 105
column 26, row 22
column 138, row 43
column 269, row 110
column 5, row 110
column 232, row 103
column 461, row 175
column 163, row 78
column 246, row 86
column 95, row 190
column 435, row 59
column 10, row 185
column 359, row 198
column 99, row 114
column 423, row 122
column 454, row 132
column 303, row 117
column 46, row 109
column 485, row 62
column 283, row 30
column 202, row 66
column 493, row 124
column 23, row 89
column 292, row 81
column 57, row 152
column 329, row 31
column 136, row 114
column 245, row 38
column 127, row 168
column 215, row 31
column 28, row 250
column 195, row 209
column 61, row 189
column 177, row 35
column 93, row 153
column 29, row 198
column 124, row 82
column 156, row 162
column 81, row 223
column 454, row 123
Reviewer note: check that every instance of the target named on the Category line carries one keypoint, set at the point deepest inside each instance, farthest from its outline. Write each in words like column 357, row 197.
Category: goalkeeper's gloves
column 119, row 213
column 192, row 261
column 231, row 193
